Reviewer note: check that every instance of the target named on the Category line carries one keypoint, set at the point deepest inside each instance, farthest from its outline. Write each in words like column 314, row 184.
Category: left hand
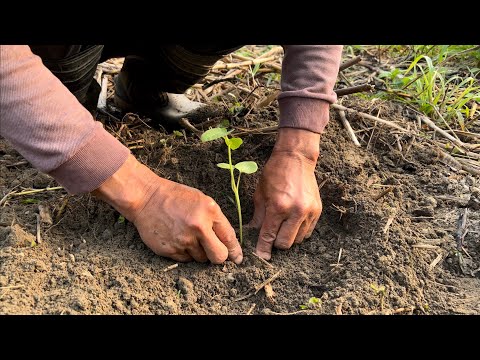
column 287, row 200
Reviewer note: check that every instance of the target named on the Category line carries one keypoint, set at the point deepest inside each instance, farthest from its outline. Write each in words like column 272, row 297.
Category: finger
column 198, row 254
column 181, row 257
column 268, row 234
column 216, row 251
column 312, row 227
column 302, row 232
column 287, row 233
column 226, row 235
column 258, row 214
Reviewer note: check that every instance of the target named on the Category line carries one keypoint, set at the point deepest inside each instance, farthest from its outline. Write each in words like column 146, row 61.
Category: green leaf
column 313, row 300
column 177, row 133
column 303, row 307
column 121, row 219
column 224, row 166
column 247, row 167
column 224, row 124
column 213, row 134
column 233, row 143
column 30, row 201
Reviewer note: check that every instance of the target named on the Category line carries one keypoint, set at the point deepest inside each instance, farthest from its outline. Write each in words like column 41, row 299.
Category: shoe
column 134, row 92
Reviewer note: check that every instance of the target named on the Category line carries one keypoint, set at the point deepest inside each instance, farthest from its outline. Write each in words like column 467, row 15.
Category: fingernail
column 264, row 255
column 238, row 260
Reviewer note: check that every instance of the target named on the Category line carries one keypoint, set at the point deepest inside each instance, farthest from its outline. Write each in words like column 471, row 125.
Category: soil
column 91, row 261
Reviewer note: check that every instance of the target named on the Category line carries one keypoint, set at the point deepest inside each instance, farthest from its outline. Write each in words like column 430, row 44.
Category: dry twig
column 372, row 118
column 354, row 89
column 171, row 267
column 345, row 65
column 243, row 63
column 348, row 127
column 383, row 193
column 263, row 260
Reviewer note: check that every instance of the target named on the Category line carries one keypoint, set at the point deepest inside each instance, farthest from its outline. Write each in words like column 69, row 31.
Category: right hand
column 173, row 220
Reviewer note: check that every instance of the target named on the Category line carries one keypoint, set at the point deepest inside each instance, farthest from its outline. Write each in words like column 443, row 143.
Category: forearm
column 128, row 187
column 50, row 128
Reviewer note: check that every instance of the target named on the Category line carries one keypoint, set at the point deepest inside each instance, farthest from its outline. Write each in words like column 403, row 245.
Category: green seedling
column 379, row 290
column 312, row 303
column 245, row 167
column 426, row 308
column 30, row 201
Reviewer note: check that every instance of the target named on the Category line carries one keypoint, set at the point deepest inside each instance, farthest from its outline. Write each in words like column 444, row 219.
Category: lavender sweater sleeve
column 50, row 128
column 309, row 73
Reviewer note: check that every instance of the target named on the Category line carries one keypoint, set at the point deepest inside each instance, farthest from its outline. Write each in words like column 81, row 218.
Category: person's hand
column 173, row 220
column 287, row 200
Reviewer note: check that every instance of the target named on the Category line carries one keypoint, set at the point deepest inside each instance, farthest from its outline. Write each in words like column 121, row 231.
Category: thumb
column 226, row 235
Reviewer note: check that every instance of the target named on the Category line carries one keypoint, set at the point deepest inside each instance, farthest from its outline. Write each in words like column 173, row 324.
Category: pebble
column 423, row 211
column 133, row 304
column 430, row 201
column 41, row 181
column 87, row 274
column 107, row 234
column 230, row 278
column 470, row 180
column 71, row 257
column 186, row 289
column 474, row 204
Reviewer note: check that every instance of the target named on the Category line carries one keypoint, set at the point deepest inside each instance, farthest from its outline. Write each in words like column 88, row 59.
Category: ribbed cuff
column 94, row 163
column 304, row 113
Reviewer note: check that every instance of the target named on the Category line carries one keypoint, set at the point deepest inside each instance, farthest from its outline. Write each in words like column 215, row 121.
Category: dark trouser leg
column 153, row 81
column 147, row 74
column 171, row 68
column 74, row 66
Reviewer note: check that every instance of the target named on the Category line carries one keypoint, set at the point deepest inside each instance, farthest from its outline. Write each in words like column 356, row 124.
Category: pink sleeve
column 50, row 128
column 309, row 73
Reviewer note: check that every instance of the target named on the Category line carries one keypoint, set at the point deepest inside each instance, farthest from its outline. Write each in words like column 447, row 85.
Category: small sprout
column 224, row 124
column 30, row 201
column 177, row 133
column 313, row 303
column 245, row 167
column 379, row 289
column 121, row 219
column 236, row 109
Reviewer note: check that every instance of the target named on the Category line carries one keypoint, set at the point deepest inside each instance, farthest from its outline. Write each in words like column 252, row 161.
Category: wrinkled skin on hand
column 173, row 220
column 287, row 199
column 182, row 223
